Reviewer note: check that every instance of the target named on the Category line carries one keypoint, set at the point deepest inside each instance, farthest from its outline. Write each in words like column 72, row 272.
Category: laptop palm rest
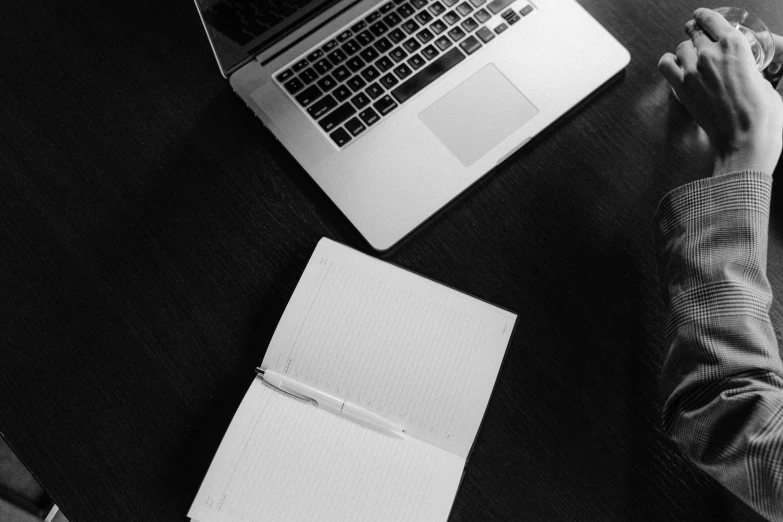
column 478, row 114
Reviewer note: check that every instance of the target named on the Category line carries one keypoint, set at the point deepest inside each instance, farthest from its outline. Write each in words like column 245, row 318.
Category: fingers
column 700, row 39
column 670, row 70
column 712, row 23
column 686, row 56
column 689, row 26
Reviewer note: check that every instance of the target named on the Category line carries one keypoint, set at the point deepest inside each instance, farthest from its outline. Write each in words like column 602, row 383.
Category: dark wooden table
column 152, row 231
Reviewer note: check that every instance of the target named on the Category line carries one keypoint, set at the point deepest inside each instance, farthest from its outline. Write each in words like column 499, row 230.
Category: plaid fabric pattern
column 722, row 380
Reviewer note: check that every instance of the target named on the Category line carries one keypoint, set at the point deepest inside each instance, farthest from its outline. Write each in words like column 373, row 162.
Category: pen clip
column 260, row 373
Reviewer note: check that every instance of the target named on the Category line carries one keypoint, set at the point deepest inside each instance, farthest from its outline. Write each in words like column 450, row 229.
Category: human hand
column 716, row 78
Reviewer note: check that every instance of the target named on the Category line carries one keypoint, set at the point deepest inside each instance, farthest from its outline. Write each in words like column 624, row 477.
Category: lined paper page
column 282, row 459
column 419, row 353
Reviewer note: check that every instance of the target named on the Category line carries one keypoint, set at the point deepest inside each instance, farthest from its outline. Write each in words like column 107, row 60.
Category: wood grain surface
column 152, row 231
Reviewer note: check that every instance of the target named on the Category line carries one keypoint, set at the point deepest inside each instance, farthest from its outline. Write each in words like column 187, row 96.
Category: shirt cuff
column 746, row 190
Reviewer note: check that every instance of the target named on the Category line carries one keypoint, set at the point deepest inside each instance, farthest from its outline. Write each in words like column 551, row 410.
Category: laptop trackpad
column 480, row 113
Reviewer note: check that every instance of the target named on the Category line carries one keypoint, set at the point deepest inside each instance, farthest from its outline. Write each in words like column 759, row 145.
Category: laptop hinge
column 257, row 53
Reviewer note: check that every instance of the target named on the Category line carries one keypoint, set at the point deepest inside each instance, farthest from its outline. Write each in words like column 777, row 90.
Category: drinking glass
column 754, row 30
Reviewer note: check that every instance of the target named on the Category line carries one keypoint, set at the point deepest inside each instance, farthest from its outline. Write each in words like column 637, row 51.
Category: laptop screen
column 238, row 29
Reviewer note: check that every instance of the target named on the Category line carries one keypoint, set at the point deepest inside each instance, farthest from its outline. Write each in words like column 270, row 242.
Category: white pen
column 326, row 400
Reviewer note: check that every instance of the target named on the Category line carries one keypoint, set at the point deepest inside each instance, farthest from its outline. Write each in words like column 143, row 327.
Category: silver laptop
column 394, row 107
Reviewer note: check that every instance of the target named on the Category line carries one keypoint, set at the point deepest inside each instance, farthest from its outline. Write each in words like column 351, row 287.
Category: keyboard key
column 514, row 18
column 457, row 34
column 507, row 13
column 328, row 46
column 383, row 45
column 308, row 76
column 373, row 17
column 350, row 47
column 418, row 4
column 370, row 73
column 429, row 52
column 326, row 83
column 337, row 57
column 369, row 54
column 309, row 95
column 385, row 105
column 387, row 7
column 478, row 2
column 469, row 24
column 360, row 100
column 340, row 137
column 384, row 64
column 337, row 116
column 313, row 56
column 397, row 35
column 449, row 3
column 416, row 61
column 322, row 106
column 398, row 54
column 436, row 8
column 369, row 117
column 365, row 37
column 405, row 11
column 499, row 29
column 389, row 81
column 355, row 63
column 526, row 10
column 356, row 83
column 293, row 85
column 498, row 5
column 470, row 45
column 344, row 35
column 412, row 45
column 283, row 76
column 429, row 74
column 438, row 26
column 355, row 126
column 342, row 93
column 322, row 65
column 300, row 65
column 464, row 8
column 425, row 35
column 485, row 34
column 341, row 73
column 374, row 90
column 443, row 43
column 424, row 17
column 402, row 71
column 378, row 29
column 410, row 26
column 358, row 26
column 391, row 19
column 482, row 15
column 451, row 17
column 398, row 2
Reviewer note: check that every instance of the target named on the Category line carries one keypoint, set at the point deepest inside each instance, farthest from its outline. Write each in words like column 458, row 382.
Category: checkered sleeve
column 722, row 380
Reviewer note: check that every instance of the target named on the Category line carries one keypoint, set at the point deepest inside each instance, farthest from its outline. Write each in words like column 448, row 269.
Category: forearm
column 722, row 379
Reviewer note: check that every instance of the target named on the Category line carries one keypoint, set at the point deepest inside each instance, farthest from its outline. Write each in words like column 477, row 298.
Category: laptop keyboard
column 381, row 60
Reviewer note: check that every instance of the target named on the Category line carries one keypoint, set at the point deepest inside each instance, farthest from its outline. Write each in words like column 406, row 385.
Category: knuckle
column 732, row 40
column 705, row 58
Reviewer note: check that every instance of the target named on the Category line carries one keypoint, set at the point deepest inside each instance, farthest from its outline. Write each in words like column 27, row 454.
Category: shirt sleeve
column 722, row 380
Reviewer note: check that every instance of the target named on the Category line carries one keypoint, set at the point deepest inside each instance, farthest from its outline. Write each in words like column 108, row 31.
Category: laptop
column 395, row 107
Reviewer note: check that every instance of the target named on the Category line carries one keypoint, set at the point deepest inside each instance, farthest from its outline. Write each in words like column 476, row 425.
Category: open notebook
column 418, row 353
